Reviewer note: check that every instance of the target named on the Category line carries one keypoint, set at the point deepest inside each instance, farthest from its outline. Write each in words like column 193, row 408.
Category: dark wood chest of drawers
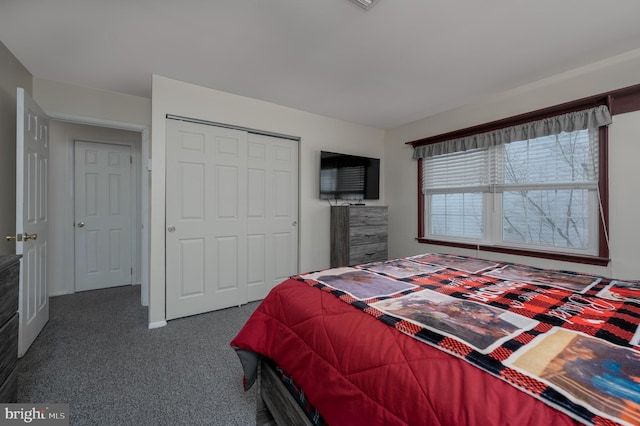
column 9, row 281
column 358, row 235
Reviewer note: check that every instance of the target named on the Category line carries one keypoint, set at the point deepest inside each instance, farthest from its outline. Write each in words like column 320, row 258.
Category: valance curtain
column 573, row 121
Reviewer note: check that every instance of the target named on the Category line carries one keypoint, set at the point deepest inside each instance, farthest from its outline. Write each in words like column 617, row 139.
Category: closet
column 231, row 215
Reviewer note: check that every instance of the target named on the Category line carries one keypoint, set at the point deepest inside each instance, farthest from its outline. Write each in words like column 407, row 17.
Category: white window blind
column 457, row 172
column 454, row 184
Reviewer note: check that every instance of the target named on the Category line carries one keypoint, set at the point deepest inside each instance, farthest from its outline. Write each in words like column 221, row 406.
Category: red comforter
column 358, row 371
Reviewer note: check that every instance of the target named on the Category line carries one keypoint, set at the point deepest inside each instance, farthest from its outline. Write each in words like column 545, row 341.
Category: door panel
column 282, row 252
column 228, row 264
column 32, row 161
column 273, row 197
column 103, row 212
column 206, row 218
column 193, row 267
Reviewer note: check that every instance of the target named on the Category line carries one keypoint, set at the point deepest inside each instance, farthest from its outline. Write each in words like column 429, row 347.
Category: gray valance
column 573, row 121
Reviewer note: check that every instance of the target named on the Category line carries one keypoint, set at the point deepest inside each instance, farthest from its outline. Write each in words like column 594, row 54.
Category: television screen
column 349, row 177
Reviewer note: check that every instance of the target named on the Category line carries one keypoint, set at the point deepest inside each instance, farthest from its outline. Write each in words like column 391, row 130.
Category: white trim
column 157, row 324
column 145, row 177
column 79, row 119
column 232, row 126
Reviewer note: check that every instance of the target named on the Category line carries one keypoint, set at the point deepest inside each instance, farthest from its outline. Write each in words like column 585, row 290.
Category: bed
column 440, row 339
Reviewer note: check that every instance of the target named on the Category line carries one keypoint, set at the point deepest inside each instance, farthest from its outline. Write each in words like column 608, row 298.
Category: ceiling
column 401, row 61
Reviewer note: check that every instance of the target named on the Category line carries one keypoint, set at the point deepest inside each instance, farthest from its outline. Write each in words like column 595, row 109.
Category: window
column 549, row 192
column 540, row 193
column 519, row 189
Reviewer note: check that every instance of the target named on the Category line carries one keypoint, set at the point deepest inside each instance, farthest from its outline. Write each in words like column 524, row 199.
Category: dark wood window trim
column 619, row 102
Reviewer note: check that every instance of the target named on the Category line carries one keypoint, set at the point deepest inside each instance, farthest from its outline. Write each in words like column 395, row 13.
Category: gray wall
column 12, row 75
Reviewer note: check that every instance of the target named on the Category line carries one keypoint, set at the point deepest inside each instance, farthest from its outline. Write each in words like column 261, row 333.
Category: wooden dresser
column 358, row 235
column 9, row 281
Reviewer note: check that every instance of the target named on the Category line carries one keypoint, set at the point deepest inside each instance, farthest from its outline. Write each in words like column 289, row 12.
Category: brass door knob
column 10, row 237
column 27, row 236
column 80, row 224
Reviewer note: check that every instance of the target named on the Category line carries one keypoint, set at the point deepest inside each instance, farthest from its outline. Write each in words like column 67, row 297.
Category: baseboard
column 59, row 293
column 157, row 324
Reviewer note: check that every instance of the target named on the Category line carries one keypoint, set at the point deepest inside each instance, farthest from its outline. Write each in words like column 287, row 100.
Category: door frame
column 142, row 163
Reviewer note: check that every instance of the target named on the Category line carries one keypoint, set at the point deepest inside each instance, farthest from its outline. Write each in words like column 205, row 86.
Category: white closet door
column 272, row 239
column 231, row 216
column 206, row 218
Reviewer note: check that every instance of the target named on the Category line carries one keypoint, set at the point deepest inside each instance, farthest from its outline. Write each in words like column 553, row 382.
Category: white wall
column 624, row 150
column 316, row 132
column 624, row 200
column 69, row 101
column 61, row 277
column 12, row 75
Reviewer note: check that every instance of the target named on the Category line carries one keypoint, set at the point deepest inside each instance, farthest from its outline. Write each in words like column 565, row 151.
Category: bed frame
column 276, row 406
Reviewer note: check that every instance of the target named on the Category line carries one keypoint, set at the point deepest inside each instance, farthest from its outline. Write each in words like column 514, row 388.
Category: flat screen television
column 349, row 177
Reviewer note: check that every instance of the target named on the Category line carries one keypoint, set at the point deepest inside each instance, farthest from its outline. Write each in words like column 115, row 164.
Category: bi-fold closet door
column 231, row 216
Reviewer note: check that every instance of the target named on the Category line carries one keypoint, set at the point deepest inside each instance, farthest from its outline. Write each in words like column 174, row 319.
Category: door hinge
column 131, row 159
column 131, row 271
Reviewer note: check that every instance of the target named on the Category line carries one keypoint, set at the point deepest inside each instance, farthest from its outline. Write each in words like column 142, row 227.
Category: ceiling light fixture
column 365, row 4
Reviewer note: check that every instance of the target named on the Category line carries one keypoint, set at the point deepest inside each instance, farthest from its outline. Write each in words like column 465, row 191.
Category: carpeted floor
column 97, row 354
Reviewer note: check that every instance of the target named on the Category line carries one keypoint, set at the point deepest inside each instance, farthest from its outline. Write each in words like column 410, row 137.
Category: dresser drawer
column 367, row 234
column 9, row 389
column 8, row 347
column 360, row 216
column 9, row 277
column 366, row 253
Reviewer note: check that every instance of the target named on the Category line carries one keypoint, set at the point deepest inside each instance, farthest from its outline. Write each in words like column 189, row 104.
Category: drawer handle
column 369, row 254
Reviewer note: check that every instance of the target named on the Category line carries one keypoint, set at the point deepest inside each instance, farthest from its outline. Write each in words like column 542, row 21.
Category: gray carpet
column 97, row 354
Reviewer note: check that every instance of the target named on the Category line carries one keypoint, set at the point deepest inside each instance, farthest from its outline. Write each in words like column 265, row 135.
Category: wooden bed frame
column 276, row 406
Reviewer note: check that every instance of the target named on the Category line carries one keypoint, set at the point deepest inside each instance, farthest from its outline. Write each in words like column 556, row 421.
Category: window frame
column 618, row 101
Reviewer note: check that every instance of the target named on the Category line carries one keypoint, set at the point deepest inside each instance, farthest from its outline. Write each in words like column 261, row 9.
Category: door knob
column 27, row 236
column 80, row 225
column 13, row 237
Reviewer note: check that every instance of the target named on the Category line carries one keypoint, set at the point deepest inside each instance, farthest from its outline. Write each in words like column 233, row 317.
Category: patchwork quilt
column 568, row 340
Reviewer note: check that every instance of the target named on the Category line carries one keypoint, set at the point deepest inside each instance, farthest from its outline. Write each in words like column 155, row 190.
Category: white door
column 32, row 156
column 231, row 216
column 206, row 219
column 103, row 215
column 272, row 238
